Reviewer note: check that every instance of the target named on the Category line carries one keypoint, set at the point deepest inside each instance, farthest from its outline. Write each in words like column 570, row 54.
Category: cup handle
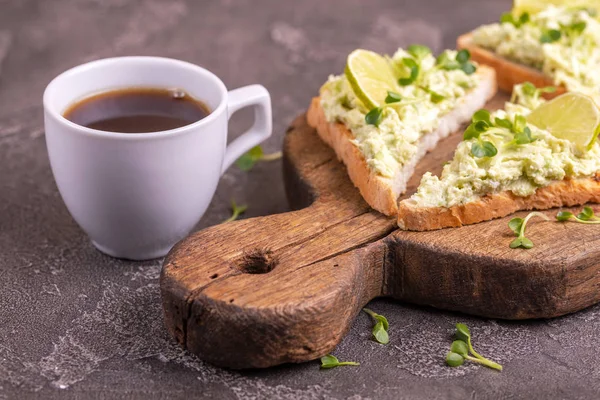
column 258, row 97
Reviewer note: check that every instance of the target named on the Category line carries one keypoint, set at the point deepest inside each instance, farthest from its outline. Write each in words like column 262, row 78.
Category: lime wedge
column 571, row 116
column 535, row 6
column 371, row 77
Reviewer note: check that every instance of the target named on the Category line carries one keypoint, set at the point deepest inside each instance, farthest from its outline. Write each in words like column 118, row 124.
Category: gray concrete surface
column 77, row 324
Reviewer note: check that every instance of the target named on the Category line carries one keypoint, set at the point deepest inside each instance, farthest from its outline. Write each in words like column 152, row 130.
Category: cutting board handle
column 280, row 288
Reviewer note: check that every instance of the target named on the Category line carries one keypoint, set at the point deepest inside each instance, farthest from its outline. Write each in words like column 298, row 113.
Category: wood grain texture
column 285, row 288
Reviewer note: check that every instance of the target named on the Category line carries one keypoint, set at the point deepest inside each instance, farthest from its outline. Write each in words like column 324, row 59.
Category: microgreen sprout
column 517, row 22
column 254, row 155
column 517, row 225
column 461, row 347
column 480, row 123
column 575, row 29
column 461, row 61
column 414, row 71
column 380, row 329
column 375, row 115
column 236, row 211
column 531, row 90
column 435, row 97
column 550, row 36
column 329, row 361
column 586, row 216
column 419, row 52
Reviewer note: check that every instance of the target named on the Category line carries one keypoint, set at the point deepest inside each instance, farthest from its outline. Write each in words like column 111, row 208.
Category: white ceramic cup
column 136, row 195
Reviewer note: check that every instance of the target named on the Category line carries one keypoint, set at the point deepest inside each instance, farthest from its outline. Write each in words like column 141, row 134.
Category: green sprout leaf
column 236, row 211
column 481, row 126
column 461, row 61
column 374, row 116
column 468, row 68
column 524, row 137
column 564, row 216
column 482, row 115
column 436, row 97
column 548, row 89
column 462, row 332
column 503, row 123
column 414, row 72
column 517, row 225
column 529, row 88
column 380, row 334
column 471, row 132
column 509, row 18
column 418, row 51
column 519, row 124
column 247, row 161
column 454, row 359
column 254, row 155
column 444, row 61
column 380, row 328
column 329, row 361
column 577, row 28
column 392, row 97
column 463, row 56
column 586, row 216
column 484, row 149
column 462, row 347
column 550, row 36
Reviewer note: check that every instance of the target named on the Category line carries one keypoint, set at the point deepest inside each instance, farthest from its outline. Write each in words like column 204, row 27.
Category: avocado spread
column 519, row 168
column 562, row 42
column 388, row 146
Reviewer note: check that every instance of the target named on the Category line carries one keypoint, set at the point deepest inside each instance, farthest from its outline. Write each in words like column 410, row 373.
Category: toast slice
column 539, row 171
column 380, row 192
column 508, row 73
column 567, row 193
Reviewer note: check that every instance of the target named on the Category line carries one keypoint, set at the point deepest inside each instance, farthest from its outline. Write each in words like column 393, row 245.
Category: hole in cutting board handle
column 257, row 261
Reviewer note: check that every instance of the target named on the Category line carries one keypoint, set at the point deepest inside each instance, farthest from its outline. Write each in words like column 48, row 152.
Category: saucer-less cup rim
column 173, row 202
column 57, row 113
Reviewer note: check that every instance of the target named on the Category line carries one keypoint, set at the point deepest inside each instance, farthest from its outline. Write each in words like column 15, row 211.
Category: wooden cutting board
column 286, row 288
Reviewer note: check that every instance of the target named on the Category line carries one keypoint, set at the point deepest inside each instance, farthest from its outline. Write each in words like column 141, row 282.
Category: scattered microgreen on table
column 517, row 225
column 380, row 329
column 461, row 347
column 586, row 216
column 329, row 361
column 236, row 211
column 254, row 155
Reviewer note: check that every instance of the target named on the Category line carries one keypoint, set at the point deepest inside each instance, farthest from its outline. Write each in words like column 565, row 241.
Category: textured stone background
column 77, row 324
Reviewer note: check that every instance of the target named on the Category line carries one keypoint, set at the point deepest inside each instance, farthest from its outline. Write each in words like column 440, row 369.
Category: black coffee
column 137, row 110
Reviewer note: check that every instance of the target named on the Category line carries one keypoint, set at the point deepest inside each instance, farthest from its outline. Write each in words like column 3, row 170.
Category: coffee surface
column 137, row 110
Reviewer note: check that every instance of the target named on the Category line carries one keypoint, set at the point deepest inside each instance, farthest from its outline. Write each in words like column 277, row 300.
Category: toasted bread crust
column 378, row 191
column 375, row 189
column 567, row 193
column 508, row 73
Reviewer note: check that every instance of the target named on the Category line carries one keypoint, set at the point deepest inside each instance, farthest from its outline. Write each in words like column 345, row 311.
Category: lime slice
column 535, row 6
column 571, row 116
column 371, row 77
